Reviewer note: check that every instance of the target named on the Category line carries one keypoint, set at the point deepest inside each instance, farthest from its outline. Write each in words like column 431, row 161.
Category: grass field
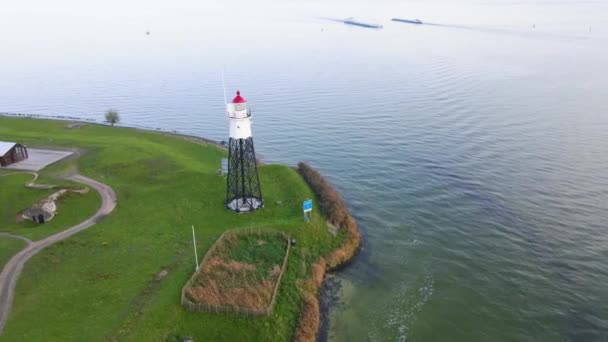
column 103, row 284
column 14, row 197
column 8, row 247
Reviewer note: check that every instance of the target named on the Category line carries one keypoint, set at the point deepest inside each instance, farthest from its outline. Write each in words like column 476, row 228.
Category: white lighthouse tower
column 243, row 192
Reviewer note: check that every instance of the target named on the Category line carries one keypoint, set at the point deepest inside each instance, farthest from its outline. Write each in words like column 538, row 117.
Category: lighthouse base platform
column 245, row 204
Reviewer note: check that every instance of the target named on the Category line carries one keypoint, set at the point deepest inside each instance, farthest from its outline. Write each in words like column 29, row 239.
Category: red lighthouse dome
column 238, row 98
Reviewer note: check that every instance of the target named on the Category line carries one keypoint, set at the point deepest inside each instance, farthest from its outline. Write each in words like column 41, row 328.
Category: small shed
column 11, row 153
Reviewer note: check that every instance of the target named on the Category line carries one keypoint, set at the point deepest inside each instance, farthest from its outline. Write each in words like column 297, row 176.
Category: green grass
column 101, row 283
column 71, row 209
column 9, row 247
column 263, row 250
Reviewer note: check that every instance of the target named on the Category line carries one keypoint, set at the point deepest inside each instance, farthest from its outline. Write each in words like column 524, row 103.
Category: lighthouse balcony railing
column 248, row 115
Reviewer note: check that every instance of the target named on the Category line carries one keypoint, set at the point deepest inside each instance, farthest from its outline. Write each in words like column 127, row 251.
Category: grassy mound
column 240, row 273
column 122, row 278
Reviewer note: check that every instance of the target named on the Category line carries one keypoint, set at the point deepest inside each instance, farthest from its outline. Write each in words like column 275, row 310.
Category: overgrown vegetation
column 122, row 278
column 337, row 213
column 329, row 199
column 334, row 208
column 240, row 272
column 310, row 317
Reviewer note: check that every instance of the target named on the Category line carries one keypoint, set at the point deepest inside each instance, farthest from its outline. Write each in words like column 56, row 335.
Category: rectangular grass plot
column 240, row 273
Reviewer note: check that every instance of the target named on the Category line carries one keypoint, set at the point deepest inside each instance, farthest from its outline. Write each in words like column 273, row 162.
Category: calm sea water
column 473, row 150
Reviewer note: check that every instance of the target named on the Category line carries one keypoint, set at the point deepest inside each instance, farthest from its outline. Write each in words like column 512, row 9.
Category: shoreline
column 99, row 123
column 329, row 298
column 341, row 257
column 312, row 320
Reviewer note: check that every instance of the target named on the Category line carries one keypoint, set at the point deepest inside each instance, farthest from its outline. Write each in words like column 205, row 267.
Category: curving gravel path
column 12, row 270
column 13, row 236
column 31, row 184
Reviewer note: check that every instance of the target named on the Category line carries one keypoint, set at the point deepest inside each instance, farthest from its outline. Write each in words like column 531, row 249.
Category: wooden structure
column 11, row 153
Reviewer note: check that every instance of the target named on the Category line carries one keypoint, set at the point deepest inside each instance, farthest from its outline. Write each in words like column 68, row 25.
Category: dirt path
column 12, row 270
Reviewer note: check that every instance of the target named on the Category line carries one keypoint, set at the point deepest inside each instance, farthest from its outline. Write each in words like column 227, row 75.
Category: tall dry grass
column 224, row 282
column 309, row 321
column 329, row 199
column 232, row 283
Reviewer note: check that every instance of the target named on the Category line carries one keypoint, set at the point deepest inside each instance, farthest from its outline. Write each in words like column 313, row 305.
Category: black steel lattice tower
column 243, row 192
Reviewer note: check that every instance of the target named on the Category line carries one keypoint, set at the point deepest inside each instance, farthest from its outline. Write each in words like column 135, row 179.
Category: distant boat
column 353, row 21
column 415, row 21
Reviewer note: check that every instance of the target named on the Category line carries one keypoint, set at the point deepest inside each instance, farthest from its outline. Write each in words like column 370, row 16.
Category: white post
column 194, row 243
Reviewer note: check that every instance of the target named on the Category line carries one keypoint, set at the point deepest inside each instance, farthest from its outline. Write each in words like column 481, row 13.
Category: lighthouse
column 243, row 192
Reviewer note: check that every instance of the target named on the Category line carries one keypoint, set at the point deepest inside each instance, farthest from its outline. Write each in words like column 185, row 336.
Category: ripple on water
column 475, row 163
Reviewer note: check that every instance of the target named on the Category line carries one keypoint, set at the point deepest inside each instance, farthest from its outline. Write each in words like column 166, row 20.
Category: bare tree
column 112, row 117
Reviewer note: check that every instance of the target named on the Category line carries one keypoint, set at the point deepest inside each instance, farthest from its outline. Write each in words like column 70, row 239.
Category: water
column 473, row 151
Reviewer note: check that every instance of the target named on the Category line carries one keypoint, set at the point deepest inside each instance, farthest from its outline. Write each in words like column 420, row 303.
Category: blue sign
column 307, row 205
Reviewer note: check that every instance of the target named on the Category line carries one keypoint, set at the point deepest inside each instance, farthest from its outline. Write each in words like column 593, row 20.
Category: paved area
column 12, row 270
column 39, row 159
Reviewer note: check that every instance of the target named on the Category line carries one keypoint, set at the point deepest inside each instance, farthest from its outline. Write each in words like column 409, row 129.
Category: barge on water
column 353, row 21
column 415, row 21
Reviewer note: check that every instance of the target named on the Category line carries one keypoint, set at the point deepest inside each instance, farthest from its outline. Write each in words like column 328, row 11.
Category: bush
column 349, row 248
column 329, row 199
column 334, row 208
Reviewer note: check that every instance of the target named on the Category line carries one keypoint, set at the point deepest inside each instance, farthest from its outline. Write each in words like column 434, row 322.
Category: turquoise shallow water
column 472, row 151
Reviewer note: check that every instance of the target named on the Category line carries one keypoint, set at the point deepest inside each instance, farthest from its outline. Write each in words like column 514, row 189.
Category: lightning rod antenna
column 224, row 85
